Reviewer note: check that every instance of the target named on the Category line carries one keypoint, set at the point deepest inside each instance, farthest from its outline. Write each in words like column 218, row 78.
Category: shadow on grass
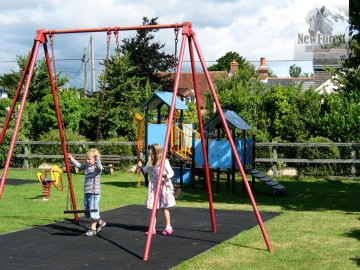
column 300, row 195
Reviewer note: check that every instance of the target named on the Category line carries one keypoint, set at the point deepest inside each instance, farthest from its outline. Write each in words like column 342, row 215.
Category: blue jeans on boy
column 91, row 201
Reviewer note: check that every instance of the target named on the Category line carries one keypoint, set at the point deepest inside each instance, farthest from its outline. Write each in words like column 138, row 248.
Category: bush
column 318, row 152
column 18, row 149
column 123, row 150
column 56, row 149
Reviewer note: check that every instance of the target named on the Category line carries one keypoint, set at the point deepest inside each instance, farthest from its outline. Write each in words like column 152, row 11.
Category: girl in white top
column 166, row 197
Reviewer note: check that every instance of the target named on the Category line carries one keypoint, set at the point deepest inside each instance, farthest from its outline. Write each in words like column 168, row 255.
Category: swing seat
column 79, row 211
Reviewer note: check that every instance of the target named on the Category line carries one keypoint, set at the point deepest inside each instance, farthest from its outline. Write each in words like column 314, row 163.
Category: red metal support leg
column 61, row 132
column 30, row 72
column 166, row 144
column 16, row 97
column 236, row 155
column 202, row 132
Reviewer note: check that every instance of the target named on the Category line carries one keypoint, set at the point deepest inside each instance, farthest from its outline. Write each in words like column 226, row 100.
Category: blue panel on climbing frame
column 162, row 97
column 232, row 119
column 157, row 134
column 186, row 175
column 219, row 153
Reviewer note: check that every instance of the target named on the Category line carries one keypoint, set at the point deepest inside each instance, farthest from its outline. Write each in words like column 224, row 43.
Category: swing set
column 188, row 37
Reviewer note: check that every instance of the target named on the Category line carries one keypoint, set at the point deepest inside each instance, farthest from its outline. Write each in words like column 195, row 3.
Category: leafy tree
column 190, row 115
column 123, row 94
column 309, row 104
column 282, row 115
column 271, row 74
column 319, row 152
column 295, row 71
column 18, row 149
column 230, row 91
column 89, row 120
column 223, row 63
column 340, row 111
column 347, row 78
column 40, row 83
column 4, row 104
column 240, row 93
column 340, row 118
column 11, row 80
column 290, row 113
column 45, row 118
column 146, row 55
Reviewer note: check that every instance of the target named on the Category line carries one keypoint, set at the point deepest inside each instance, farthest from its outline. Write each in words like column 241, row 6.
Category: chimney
column 263, row 69
column 234, row 66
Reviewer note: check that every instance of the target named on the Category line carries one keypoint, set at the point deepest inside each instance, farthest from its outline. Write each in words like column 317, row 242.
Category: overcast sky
column 252, row 28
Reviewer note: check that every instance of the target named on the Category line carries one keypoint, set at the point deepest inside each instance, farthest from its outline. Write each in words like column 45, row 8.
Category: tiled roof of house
column 307, row 82
column 186, row 85
column 329, row 58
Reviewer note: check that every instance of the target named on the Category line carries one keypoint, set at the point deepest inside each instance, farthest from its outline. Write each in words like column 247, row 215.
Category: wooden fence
column 286, row 153
column 27, row 155
column 270, row 155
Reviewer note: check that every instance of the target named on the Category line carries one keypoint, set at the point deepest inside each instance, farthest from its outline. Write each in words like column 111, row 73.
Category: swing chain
column 57, row 90
column 98, row 135
column 176, row 31
column 53, row 61
column 68, row 198
column 116, row 34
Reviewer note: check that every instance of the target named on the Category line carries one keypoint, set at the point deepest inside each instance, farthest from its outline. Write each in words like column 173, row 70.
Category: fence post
column 274, row 152
column 26, row 160
column 353, row 157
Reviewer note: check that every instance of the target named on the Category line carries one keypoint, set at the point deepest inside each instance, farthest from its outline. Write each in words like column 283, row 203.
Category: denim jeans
column 91, row 201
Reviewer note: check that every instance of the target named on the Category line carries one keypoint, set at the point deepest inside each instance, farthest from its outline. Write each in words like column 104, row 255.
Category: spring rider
column 54, row 179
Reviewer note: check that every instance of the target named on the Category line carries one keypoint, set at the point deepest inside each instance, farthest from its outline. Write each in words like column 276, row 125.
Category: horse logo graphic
column 317, row 21
column 321, row 25
column 322, row 21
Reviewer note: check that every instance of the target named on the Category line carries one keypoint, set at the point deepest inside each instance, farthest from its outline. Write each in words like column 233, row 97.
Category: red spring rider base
column 55, row 177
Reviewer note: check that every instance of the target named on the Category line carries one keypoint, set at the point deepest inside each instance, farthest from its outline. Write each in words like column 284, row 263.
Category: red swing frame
column 188, row 36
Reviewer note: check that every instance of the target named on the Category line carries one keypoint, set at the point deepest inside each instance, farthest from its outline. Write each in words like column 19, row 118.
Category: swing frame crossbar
column 188, row 36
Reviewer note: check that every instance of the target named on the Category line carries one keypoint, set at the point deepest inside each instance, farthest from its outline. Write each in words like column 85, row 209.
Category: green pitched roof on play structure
column 232, row 119
column 162, row 97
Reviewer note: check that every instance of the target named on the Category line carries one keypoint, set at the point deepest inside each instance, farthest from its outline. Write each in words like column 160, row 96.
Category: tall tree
column 147, row 56
column 340, row 119
column 295, row 71
column 11, row 80
column 44, row 120
column 121, row 97
column 40, row 83
column 347, row 77
column 223, row 63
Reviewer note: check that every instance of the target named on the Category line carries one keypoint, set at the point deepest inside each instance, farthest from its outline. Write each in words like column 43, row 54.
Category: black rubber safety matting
column 121, row 244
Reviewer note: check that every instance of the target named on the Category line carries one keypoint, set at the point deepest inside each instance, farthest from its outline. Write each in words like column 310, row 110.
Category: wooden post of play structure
column 138, row 119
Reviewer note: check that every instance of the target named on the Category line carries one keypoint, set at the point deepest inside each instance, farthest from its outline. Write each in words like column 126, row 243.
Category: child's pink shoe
column 167, row 231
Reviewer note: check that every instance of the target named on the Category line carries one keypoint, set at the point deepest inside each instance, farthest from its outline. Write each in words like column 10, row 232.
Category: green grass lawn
column 319, row 227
